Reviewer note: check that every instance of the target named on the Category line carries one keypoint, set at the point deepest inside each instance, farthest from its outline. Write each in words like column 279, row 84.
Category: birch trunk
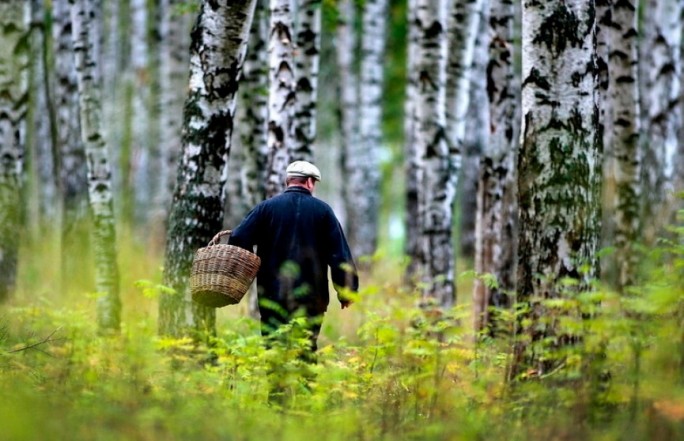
column 72, row 168
column 219, row 43
column 308, row 43
column 497, row 207
column 39, row 137
column 140, row 82
column 234, row 209
column 86, row 32
column 115, row 93
column 174, row 30
column 559, row 162
column 362, row 158
column 435, row 198
column 626, row 128
column 14, row 60
column 604, row 24
column 113, row 46
column 348, row 95
column 412, row 160
column 462, row 27
column 255, row 116
column 679, row 160
column 253, row 125
column 661, row 70
column 282, row 94
column 476, row 135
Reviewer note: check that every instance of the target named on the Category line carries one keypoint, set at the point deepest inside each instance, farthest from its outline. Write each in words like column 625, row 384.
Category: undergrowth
column 385, row 370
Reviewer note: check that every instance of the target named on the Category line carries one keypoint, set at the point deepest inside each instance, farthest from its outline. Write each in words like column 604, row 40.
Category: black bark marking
column 535, row 77
column 433, row 31
column 560, row 30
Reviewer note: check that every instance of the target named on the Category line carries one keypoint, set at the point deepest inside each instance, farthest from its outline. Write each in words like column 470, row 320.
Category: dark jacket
column 297, row 237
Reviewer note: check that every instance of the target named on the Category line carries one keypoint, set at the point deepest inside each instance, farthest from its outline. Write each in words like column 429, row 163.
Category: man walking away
column 297, row 237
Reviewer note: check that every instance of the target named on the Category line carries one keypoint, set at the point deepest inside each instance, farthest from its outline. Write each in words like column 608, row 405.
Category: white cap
column 303, row 169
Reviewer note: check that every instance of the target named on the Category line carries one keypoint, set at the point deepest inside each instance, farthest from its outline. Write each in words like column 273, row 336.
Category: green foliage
column 187, row 7
column 385, row 368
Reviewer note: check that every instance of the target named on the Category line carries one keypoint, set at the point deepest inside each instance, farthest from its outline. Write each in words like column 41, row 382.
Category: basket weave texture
column 221, row 274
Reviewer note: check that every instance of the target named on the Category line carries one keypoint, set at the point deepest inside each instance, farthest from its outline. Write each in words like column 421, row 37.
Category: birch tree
column 434, row 196
column 113, row 46
column 412, row 160
column 497, row 209
column 362, row 158
column 86, row 34
column 559, row 162
column 463, row 25
column 219, row 43
column 604, row 24
column 115, row 49
column 253, row 124
column 141, row 124
column 173, row 76
column 41, row 113
column 661, row 69
column 679, row 160
column 254, row 90
column 281, row 95
column 476, row 135
column 348, row 93
column 626, row 129
column 13, row 101
column 308, row 43
column 72, row 169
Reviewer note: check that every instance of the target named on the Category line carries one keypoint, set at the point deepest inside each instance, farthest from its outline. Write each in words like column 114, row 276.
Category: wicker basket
column 221, row 274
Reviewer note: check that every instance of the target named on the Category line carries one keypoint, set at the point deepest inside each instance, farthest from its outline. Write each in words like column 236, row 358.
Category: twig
column 47, row 339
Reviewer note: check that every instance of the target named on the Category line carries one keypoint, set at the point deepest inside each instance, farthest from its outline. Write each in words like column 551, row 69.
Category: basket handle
column 215, row 240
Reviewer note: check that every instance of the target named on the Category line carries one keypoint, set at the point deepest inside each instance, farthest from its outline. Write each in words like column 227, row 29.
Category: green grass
column 385, row 370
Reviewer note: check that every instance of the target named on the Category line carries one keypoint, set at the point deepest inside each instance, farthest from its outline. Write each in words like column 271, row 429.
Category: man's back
column 297, row 238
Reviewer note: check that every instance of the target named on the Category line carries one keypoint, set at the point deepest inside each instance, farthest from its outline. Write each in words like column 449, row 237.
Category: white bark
column 412, row 160
column 86, row 32
column 476, row 135
column 348, row 93
column 253, row 133
column 661, row 68
column 140, row 80
column 626, row 128
column 308, row 43
column 13, row 100
column 679, row 160
column 497, row 207
column 112, row 61
column 73, row 170
column 434, row 197
column 39, row 136
column 282, row 94
column 219, row 44
column 114, row 91
column 604, row 23
column 559, row 164
column 363, row 157
column 174, row 56
column 462, row 27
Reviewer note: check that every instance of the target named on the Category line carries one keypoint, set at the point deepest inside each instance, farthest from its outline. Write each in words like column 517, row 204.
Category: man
column 297, row 238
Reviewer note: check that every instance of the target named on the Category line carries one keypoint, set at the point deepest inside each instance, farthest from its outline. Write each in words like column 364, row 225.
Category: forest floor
column 386, row 370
